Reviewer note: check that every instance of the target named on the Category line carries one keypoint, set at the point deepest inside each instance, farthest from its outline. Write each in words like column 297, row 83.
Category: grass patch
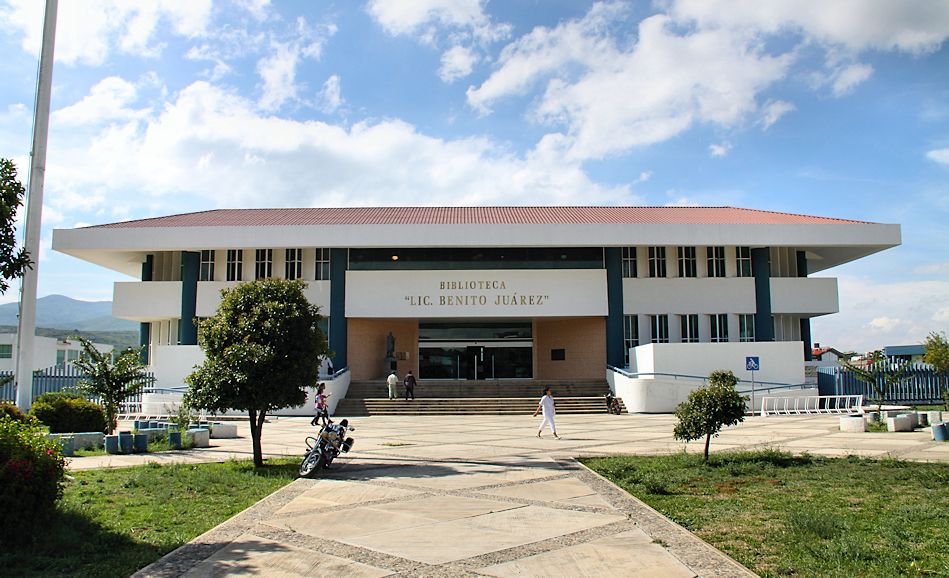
column 114, row 522
column 784, row 515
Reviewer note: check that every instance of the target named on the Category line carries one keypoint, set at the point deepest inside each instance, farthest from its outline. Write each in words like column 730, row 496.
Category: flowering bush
column 31, row 479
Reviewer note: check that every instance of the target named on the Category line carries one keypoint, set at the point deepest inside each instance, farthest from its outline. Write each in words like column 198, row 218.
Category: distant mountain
column 61, row 312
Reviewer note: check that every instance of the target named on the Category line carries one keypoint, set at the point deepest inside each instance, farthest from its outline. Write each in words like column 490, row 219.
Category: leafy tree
column 880, row 374
column 710, row 408
column 937, row 355
column 263, row 349
column 12, row 262
column 113, row 379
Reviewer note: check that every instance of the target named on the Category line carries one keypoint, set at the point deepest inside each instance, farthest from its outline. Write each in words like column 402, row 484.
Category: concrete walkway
column 481, row 495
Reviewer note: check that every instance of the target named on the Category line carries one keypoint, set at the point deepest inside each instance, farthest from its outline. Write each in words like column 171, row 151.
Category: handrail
column 772, row 385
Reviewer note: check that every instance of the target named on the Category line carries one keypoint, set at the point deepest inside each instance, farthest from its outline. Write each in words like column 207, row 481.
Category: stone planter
column 111, row 444
column 140, row 443
column 941, row 432
column 125, row 442
column 853, row 424
column 934, row 416
column 914, row 418
column 174, row 440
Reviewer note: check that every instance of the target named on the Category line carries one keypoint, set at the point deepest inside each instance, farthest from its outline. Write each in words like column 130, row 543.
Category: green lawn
column 114, row 521
column 781, row 515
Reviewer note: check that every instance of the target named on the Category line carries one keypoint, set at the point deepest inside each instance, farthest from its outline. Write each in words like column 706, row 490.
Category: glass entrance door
column 476, row 362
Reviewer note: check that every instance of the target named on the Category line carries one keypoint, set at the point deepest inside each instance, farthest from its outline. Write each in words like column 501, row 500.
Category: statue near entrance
column 390, row 345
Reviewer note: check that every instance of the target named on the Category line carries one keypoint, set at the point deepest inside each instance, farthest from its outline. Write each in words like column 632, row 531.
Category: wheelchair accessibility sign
column 752, row 364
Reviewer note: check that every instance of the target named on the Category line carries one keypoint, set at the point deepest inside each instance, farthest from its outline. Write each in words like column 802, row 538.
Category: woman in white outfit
column 547, row 406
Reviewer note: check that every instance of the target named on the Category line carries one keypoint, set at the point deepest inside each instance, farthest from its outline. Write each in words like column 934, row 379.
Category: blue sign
column 752, row 364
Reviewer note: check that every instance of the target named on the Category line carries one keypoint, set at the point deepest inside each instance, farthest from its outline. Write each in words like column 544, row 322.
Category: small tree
column 937, row 355
column 263, row 348
column 113, row 379
column 710, row 408
column 880, row 374
column 12, row 262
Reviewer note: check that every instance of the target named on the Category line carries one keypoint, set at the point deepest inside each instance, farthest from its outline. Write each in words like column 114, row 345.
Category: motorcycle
column 325, row 447
column 612, row 405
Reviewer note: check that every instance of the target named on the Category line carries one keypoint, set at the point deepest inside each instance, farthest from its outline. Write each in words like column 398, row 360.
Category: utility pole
column 26, row 328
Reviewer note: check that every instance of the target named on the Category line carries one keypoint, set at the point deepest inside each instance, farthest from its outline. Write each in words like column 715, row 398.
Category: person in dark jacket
column 409, row 382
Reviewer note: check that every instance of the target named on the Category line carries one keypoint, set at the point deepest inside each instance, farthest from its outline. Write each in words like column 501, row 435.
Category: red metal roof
column 479, row 216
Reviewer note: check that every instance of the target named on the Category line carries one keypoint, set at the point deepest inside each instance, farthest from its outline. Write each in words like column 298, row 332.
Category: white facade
column 47, row 351
column 702, row 277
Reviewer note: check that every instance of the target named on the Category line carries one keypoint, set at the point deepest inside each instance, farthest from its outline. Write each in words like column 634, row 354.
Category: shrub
column 31, row 480
column 710, row 408
column 65, row 412
column 10, row 409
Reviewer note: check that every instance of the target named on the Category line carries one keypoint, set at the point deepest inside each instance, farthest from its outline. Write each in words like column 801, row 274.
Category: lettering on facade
column 460, row 294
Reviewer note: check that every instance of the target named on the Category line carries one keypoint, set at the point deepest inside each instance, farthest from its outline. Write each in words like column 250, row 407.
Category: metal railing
column 812, row 404
column 62, row 377
column 759, row 386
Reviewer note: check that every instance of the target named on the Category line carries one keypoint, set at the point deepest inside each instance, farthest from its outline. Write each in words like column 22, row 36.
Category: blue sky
column 824, row 107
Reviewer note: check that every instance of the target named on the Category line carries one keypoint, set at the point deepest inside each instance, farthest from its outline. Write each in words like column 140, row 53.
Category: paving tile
column 547, row 491
column 326, row 493
column 467, row 537
column 629, row 553
column 252, row 555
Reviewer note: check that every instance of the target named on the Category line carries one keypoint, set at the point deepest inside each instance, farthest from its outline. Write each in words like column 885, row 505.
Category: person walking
column 409, row 383
column 320, row 405
column 548, row 408
column 392, row 381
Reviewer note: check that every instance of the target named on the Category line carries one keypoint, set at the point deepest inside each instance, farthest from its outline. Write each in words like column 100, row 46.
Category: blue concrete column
column 615, row 340
column 761, row 267
column 190, row 266
column 339, row 262
column 145, row 329
column 805, row 321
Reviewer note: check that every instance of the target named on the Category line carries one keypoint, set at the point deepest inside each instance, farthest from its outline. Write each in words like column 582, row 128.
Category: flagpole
column 26, row 327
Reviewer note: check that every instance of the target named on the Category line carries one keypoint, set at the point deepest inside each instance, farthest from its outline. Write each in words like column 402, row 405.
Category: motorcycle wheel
column 310, row 464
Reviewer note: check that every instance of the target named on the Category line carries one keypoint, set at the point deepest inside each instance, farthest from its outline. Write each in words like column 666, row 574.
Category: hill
column 61, row 312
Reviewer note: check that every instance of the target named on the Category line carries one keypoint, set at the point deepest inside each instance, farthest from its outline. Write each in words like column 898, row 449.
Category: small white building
column 47, row 351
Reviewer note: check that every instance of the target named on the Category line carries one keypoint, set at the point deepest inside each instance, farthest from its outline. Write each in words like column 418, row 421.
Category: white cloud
column 611, row 97
column 773, row 111
column 720, row 149
column 940, row 156
column 216, row 148
column 463, row 24
column 87, row 30
column 847, row 78
column 933, row 269
column 107, row 100
column 329, row 99
column 915, row 26
column 874, row 314
column 278, row 72
column 457, row 62
column 424, row 18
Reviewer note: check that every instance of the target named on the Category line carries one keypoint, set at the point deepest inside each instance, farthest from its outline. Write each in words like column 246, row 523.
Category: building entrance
column 475, row 351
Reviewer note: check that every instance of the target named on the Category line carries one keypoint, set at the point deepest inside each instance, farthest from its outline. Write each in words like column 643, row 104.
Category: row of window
column 62, row 355
column 689, row 328
column 687, row 261
column 263, row 264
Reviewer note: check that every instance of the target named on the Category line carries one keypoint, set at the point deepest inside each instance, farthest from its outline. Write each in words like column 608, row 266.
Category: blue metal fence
column 62, row 377
column 922, row 385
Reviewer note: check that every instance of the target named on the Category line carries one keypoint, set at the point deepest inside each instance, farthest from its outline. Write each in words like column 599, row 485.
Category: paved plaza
column 481, row 495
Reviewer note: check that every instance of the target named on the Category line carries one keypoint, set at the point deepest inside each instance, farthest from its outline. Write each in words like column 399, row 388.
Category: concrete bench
column 223, row 430
column 88, row 440
column 201, row 437
column 899, row 423
column 853, row 424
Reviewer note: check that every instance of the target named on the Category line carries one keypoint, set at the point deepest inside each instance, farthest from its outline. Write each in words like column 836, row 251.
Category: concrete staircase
column 513, row 397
